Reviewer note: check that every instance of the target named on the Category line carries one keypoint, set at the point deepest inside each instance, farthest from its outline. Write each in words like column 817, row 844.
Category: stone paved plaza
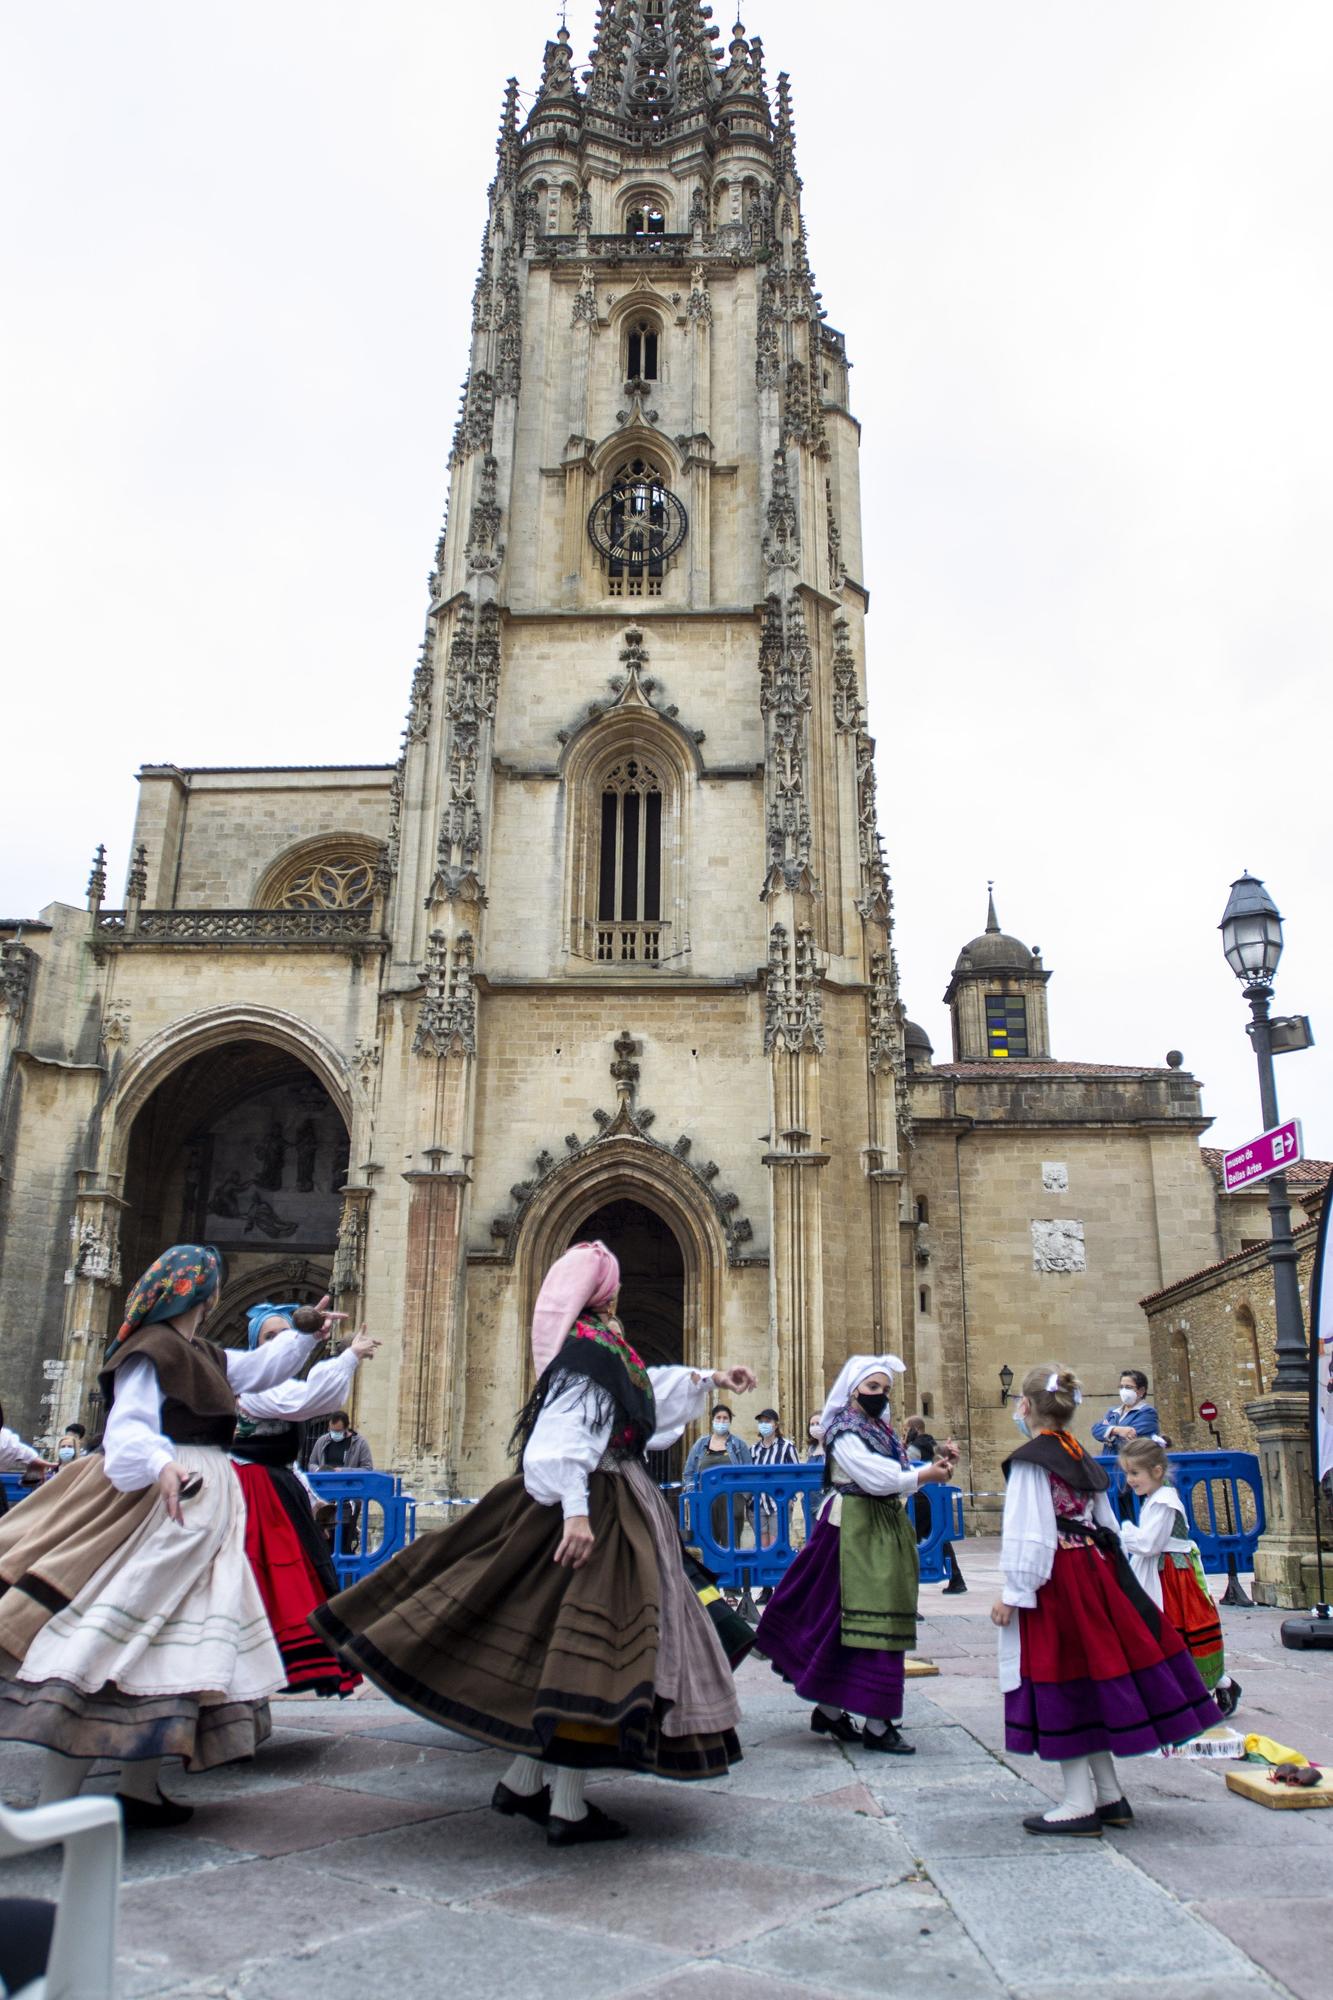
column 357, row 1856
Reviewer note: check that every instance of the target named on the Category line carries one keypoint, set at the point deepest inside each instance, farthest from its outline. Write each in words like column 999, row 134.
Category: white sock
column 1224, row 1680
column 567, row 1793
column 141, row 1780
column 525, row 1776
column 875, row 1725
column 1105, row 1782
column 61, row 1777
column 829, row 1713
column 1080, row 1797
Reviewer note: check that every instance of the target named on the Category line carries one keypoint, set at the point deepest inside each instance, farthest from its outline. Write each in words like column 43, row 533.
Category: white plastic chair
column 83, row 1949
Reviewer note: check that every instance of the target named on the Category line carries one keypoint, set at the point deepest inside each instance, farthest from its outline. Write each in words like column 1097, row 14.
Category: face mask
column 1129, row 1395
column 721, row 1425
column 1020, row 1420
column 66, row 1451
column 338, row 1434
column 874, row 1406
column 765, row 1430
column 814, row 1432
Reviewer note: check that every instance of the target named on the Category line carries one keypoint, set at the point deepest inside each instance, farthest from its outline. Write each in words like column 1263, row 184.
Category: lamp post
column 1006, row 1383
column 1252, row 940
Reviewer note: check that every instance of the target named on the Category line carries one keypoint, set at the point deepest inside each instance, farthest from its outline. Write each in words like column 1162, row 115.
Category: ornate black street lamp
column 1006, row 1383
column 1252, row 940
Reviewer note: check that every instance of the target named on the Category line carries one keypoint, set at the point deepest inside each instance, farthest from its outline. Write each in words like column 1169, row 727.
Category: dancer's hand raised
column 576, row 1542
column 365, row 1346
column 739, row 1381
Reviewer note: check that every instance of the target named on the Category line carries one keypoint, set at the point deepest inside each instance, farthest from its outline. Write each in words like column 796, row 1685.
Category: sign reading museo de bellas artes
column 1271, row 1153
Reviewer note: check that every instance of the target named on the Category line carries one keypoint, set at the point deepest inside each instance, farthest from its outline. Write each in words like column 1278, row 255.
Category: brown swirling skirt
column 476, row 1627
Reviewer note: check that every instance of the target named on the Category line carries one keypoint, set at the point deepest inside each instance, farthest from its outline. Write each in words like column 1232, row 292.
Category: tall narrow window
column 645, row 222
column 638, row 525
column 629, row 872
column 641, row 351
column 1006, row 1025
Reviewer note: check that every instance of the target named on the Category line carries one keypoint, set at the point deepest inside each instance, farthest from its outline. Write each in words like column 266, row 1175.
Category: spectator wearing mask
column 922, row 1449
column 719, row 1446
column 814, row 1432
column 1133, row 1416
column 341, row 1448
column 73, row 1444
column 772, row 1449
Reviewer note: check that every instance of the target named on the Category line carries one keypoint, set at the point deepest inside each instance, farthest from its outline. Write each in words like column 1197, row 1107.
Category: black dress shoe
column 844, row 1729
column 145, row 1816
column 1119, row 1814
column 528, row 1805
column 955, row 1588
column 1228, row 1698
column 595, row 1825
column 1088, row 1826
column 890, row 1741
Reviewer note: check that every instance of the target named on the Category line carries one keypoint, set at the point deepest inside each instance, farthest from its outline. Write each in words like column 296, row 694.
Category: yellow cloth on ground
column 1271, row 1752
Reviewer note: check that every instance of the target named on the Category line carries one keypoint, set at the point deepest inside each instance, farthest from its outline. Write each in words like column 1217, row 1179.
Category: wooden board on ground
column 916, row 1670
column 1253, row 1783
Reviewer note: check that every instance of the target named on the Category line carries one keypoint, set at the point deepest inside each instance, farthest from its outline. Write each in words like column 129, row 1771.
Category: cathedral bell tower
column 633, row 859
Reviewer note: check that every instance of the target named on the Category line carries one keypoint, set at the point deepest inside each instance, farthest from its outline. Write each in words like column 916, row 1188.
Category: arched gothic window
column 629, row 864
column 322, row 875
column 641, row 350
column 645, row 221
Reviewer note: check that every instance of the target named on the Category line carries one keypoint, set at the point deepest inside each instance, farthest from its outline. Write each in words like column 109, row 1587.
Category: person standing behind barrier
column 1087, row 1662
column 1132, row 1416
column 719, row 1446
column 844, row 1616
column 772, row 1449
column 340, row 1449
column 923, row 1450
column 1167, row 1564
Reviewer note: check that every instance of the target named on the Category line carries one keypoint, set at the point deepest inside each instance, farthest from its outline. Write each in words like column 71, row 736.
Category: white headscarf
column 854, row 1372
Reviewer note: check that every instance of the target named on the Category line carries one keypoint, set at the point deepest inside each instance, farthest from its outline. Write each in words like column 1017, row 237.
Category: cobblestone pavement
column 357, row 1855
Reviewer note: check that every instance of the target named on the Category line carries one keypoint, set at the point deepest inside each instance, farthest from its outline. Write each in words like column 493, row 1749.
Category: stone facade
column 447, row 958
column 1212, row 1337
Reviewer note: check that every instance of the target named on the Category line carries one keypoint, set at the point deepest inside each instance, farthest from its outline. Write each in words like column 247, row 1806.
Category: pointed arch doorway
column 652, row 1291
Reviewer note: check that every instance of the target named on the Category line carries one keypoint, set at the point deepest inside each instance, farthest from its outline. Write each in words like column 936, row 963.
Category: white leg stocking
column 567, row 1794
column 1080, row 1797
column 827, row 1710
column 62, row 1777
column 141, row 1780
column 1105, row 1782
column 525, row 1776
column 875, row 1725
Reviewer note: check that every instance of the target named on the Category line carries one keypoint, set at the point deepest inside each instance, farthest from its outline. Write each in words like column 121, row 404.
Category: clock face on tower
column 637, row 523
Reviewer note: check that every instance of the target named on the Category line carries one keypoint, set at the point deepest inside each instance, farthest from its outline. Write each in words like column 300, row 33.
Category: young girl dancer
column 132, row 1628
column 1167, row 1564
column 1088, row 1665
column 844, row 1615
column 287, row 1553
column 555, row 1620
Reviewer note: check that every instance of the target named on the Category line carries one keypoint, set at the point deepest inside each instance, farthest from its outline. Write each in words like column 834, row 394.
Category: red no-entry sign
column 1208, row 1411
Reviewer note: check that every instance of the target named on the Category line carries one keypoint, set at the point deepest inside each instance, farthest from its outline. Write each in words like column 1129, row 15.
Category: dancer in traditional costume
column 131, row 1627
column 1088, row 1664
column 555, row 1619
column 1168, row 1564
column 288, row 1554
column 844, row 1616
column 16, row 1456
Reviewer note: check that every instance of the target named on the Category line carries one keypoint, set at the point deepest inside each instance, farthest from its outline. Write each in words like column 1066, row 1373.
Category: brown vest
column 198, row 1402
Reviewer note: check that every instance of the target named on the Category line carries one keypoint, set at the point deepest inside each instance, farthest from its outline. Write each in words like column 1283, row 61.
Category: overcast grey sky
column 1080, row 252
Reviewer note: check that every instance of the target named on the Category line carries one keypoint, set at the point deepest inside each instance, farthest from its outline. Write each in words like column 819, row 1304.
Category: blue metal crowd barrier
column 355, row 1494
column 14, row 1489
column 1225, row 1544
column 785, row 1486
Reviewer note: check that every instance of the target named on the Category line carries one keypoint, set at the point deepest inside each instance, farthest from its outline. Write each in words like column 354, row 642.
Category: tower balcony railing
column 632, row 944
column 237, row 927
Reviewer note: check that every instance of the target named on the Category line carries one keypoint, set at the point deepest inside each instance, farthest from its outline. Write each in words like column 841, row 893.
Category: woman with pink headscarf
column 555, row 1620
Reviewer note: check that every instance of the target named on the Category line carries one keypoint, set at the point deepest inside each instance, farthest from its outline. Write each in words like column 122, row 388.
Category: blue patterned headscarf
column 180, row 1278
column 255, row 1317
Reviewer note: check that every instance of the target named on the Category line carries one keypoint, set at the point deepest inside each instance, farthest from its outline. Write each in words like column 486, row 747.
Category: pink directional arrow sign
column 1271, row 1153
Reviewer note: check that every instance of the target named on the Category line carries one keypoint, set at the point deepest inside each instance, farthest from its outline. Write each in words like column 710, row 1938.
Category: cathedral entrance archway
column 652, row 1276
column 240, row 1146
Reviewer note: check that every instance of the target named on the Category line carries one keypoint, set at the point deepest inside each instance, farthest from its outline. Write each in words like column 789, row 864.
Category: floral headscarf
column 180, row 1278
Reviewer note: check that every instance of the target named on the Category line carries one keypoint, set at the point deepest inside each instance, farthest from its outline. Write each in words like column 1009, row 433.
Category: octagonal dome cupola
column 997, row 997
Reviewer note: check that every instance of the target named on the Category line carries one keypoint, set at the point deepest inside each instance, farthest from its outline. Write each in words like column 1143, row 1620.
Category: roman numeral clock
column 637, row 525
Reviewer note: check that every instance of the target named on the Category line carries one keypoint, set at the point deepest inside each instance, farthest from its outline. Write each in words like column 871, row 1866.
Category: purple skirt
column 800, row 1634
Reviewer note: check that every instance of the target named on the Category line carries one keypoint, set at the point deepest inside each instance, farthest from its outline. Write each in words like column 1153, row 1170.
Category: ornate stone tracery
column 793, row 1006
column 447, row 1018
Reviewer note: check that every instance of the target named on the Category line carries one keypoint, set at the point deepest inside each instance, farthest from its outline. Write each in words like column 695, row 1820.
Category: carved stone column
column 1285, row 1566
column 349, row 1263
column 93, row 1275
column 432, row 1320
